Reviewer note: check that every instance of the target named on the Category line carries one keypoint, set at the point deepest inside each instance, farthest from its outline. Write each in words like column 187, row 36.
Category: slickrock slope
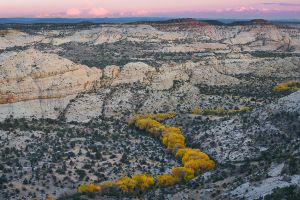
column 255, row 37
column 112, row 34
column 91, row 106
column 40, row 84
column 133, row 72
column 38, row 108
column 245, row 143
column 34, row 78
column 94, row 36
column 202, row 38
column 196, row 73
column 13, row 38
column 30, row 75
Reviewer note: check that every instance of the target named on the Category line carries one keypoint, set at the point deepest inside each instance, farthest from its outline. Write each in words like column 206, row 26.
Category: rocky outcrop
column 39, row 79
column 263, row 38
column 196, row 73
column 94, row 36
column 210, row 76
column 194, row 47
column 111, row 72
column 257, row 191
column 252, row 37
column 38, row 108
column 86, row 107
column 31, row 74
column 166, row 76
column 245, row 143
column 133, row 72
column 13, row 38
column 289, row 103
column 111, row 34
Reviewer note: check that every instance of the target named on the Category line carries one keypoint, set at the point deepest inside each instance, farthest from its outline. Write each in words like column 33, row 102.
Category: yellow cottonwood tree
column 193, row 160
column 126, row 184
column 50, row 197
column 166, row 180
column 194, row 154
column 89, row 188
column 287, row 86
column 196, row 111
column 183, row 173
column 174, row 142
column 144, row 181
column 201, row 164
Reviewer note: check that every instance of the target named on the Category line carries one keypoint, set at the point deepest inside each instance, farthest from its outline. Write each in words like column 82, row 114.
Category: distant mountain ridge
column 162, row 20
column 183, row 21
column 77, row 20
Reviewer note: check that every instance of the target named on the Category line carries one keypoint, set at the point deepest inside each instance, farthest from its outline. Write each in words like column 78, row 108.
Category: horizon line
column 158, row 17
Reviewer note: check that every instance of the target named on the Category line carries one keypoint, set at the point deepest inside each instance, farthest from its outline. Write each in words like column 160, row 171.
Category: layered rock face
column 36, row 84
column 91, row 107
column 46, row 83
column 206, row 55
column 30, row 75
column 133, row 72
column 201, row 38
column 12, row 38
column 254, row 37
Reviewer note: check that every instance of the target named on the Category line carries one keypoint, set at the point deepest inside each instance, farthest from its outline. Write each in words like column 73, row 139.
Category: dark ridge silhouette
column 77, row 20
column 182, row 21
column 29, row 24
column 251, row 22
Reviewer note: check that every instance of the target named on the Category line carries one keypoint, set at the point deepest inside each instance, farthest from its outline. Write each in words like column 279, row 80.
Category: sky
column 229, row 9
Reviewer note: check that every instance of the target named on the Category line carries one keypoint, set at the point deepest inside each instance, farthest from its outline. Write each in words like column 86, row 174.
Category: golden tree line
column 287, row 86
column 218, row 111
column 193, row 160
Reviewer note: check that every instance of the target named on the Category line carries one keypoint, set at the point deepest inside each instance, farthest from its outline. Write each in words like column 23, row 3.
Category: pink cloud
column 131, row 8
column 141, row 12
column 73, row 12
column 96, row 12
column 249, row 9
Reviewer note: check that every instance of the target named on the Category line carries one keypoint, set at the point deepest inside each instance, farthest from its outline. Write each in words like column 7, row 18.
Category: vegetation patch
column 219, row 111
column 290, row 86
column 194, row 161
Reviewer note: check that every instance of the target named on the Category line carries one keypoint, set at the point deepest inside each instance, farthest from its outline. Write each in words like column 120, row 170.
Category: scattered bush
column 287, row 86
column 50, row 197
column 89, row 188
column 218, row 111
column 196, row 111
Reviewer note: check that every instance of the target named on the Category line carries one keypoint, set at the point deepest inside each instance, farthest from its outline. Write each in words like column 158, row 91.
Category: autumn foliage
column 183, row 173
column 157, row 117
column 144, row 181
column 126, row 184
column 89, row 188
column 196, row 111
column 50, row 197
column 287, row 86
column 218, row 111
column 166, row 180
column 194, row 161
